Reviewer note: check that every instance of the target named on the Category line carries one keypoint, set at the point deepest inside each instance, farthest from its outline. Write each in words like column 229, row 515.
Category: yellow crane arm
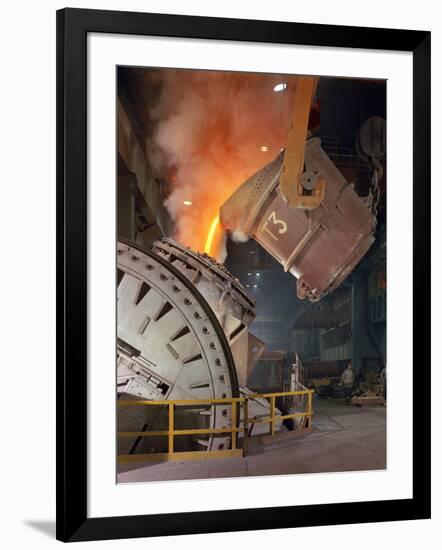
column 293, row 163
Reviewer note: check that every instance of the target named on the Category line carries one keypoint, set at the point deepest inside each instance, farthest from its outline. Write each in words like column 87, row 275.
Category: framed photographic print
column 234, row 289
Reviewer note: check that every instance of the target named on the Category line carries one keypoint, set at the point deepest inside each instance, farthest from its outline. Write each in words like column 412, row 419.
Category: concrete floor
column 344, row 438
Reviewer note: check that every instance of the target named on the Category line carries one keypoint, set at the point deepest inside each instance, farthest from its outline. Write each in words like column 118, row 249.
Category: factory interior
column 251, row 274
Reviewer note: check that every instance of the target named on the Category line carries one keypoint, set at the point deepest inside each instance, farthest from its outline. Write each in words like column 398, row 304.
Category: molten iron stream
column 210, row 235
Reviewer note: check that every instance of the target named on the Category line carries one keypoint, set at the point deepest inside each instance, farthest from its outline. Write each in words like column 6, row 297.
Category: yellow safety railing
column 306, row 415
column 233, row 429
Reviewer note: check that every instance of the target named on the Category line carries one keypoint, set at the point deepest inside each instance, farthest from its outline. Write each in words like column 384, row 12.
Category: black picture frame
column 73, row 25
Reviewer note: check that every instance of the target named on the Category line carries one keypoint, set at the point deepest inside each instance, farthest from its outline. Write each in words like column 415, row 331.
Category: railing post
column 234, row 405
column 272, row 415
column 309, row 408
column 171, row 428
column 245, row 446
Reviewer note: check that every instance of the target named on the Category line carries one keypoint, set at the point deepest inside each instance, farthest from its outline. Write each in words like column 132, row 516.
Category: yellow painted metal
column 293, row 164
column 235, row 402
column 127, row 403
column 260, row 420
column 171, row 427
column 233, row 424
column 245, row 445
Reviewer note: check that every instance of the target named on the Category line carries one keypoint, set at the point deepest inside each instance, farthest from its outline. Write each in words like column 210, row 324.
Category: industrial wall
column 356, row 315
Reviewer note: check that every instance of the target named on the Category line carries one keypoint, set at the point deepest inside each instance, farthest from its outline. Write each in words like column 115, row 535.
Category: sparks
column 210, row 235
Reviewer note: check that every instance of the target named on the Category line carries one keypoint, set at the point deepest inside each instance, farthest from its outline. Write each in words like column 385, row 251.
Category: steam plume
column 213, row 131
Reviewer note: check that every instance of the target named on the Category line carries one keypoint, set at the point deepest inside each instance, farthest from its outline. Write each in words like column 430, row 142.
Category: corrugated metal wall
column 331, row 344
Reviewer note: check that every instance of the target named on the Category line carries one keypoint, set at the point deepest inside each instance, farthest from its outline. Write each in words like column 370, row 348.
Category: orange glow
column 209, row 240
column 211, row 137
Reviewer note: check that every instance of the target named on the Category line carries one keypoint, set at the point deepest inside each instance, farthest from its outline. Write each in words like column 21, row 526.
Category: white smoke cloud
column 210, row 128
column 239, row 236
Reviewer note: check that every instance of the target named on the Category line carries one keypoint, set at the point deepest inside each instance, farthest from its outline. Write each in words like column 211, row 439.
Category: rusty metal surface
column 319, row 247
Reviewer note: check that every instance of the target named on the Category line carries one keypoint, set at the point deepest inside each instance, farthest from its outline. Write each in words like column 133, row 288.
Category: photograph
column 251, row 274
column 227, row 216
